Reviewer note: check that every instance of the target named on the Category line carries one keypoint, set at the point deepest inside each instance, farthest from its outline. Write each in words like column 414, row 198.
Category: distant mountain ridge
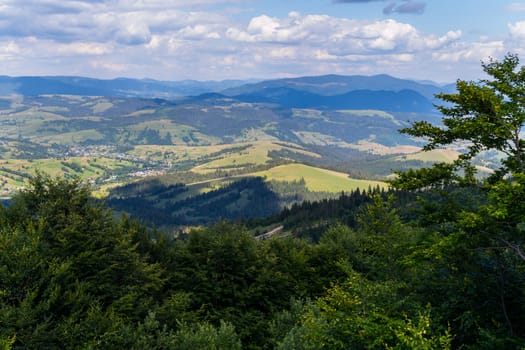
column 337, row 92
column 119, row 87
column 327, row 92
column 323, row 85
column 392, row 101
column 332, row 84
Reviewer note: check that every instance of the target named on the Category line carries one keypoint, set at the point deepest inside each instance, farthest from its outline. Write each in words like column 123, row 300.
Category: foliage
column 172, row 206
column 64, row 257
column 72, row 276
column 485, row 115
column 360, row 314
column 475, row 235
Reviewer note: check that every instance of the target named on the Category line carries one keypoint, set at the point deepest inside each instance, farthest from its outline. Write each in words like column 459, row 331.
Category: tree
column 488, row 115
column 361, row 314
column 485, row 115
column 65, row 265
column 473, row 265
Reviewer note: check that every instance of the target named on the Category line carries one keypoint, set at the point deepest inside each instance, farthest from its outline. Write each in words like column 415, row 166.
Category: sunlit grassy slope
column 15, row 172
column 438, row 155
column 318, row 179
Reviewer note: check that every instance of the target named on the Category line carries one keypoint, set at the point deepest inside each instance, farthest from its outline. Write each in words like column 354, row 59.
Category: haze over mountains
column 119, row 87
column 380, row 92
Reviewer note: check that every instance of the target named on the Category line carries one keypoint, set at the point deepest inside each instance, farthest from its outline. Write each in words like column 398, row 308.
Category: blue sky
column 439, row 40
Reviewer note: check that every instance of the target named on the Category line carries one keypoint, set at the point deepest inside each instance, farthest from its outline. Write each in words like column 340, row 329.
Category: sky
column 437, row 40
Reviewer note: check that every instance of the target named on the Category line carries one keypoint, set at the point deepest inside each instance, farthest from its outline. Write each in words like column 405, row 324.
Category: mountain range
column 120, row 87
column 328, row 92
column 329, row 85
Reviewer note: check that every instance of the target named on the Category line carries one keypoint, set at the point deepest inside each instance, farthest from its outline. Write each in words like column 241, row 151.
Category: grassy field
column 315, row 138
column 15, row 172
column 141, row 112
column 72, row 138
column 101, row 106
column 25, row 124
column 180, row 134
column 317, row 179
column 438, row 155
column 216, row 157
column 369, row 113
column 255, row 154
column 175, row 152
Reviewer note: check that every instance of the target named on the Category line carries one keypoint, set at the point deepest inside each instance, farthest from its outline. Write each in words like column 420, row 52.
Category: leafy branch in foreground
column 484, row 115
column 481, row 245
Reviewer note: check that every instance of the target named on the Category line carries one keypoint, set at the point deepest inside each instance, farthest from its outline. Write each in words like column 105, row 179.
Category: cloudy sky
column 439, row 40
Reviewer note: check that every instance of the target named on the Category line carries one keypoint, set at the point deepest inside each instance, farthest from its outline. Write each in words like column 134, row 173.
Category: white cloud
column 339, row 35
column 83, row 48
column 238, row 35
column 154, row 43
column 197, row 32
column 108, row 66
column 470, row 52
column 130, row 22
column 323, row 55
column 177, row 39
column 283, row 52
column 9, row 51
column 515, row 7
column 9, row 47
column 517, row 30
column 433, row 42
column 269, row 29
column 133, row 32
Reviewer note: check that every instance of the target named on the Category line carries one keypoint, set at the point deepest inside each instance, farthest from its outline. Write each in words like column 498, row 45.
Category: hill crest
column 325, row 85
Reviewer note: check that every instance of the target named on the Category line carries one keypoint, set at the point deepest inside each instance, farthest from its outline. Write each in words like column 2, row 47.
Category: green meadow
column 14, row 173
column 318, row 179
column 438, row 155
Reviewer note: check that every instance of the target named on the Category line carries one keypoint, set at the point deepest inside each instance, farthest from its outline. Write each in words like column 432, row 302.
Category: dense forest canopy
column 439, row 267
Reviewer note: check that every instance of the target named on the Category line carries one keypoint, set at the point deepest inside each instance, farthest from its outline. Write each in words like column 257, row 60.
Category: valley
column 290, row 131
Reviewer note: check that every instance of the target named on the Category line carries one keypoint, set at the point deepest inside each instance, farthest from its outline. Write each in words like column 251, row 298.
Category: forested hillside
column 72, row 276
